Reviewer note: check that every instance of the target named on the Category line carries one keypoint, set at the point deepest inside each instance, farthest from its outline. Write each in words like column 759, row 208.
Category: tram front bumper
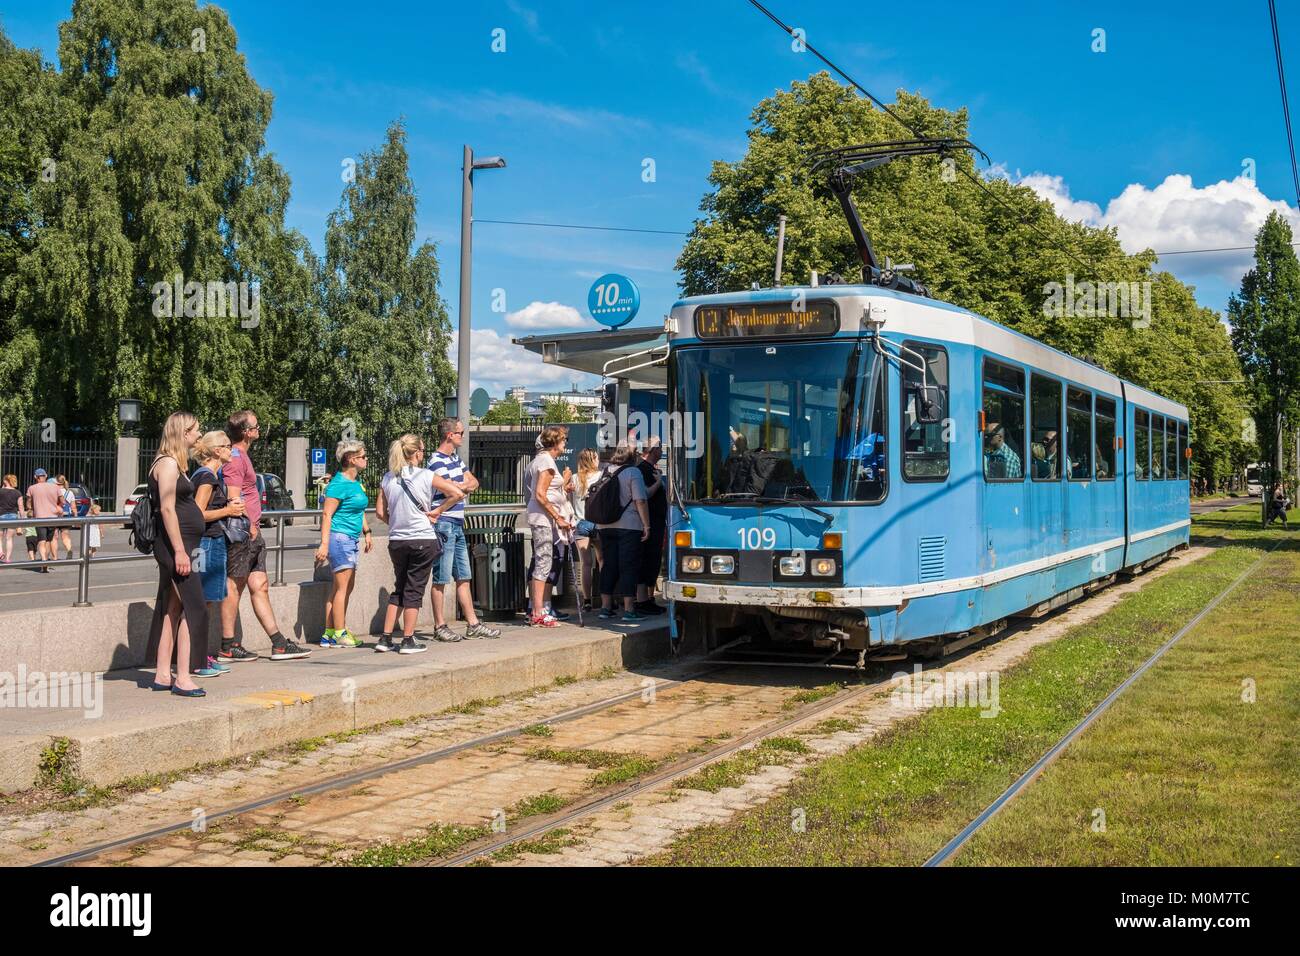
column 769, row 595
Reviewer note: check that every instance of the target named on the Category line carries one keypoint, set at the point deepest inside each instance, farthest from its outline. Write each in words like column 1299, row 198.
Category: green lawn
column 1196, row 756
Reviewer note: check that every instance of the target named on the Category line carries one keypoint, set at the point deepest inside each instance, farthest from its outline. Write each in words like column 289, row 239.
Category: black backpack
column 144, row 524
column 603, row 499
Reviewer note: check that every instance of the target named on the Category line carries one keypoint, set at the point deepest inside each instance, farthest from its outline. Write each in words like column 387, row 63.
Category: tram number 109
column 757, row 539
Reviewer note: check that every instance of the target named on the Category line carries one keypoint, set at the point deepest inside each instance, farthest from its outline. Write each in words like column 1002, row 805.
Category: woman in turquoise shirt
column 342, row 525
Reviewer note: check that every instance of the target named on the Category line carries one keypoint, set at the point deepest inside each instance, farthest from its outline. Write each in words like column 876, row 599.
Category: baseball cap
column 41, row 473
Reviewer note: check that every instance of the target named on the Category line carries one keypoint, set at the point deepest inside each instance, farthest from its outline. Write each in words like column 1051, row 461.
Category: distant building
column 586, row 403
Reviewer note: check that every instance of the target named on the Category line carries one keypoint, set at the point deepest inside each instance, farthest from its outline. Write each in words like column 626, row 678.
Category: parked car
column 83, row 496
column 275, row 497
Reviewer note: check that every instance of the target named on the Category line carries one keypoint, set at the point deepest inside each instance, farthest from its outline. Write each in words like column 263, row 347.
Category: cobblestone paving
column 496, row 785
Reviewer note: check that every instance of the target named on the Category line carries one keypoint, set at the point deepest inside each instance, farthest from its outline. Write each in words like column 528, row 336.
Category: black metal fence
column 88, row 461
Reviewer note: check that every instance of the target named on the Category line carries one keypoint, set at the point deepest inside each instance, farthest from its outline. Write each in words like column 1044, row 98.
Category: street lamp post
column 128, row 450
column 296, row 452
column 466, row 220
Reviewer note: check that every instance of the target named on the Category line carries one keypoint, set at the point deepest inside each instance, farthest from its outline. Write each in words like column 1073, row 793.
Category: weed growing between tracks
column 898, row 798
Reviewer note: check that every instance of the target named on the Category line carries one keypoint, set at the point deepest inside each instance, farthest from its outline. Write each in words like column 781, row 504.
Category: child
column 93, row 540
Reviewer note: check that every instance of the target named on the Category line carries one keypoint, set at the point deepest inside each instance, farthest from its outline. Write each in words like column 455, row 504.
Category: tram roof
column 957, row 325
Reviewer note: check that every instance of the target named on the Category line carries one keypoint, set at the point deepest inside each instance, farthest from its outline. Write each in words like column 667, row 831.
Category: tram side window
column 1141, row 445
column 1105, row 439
column 1182, row 451
column 1157, row 447
column 1078, row 435
column 1004, row 422
column 925, row 453
column 1171, row 449
column 1045, row 415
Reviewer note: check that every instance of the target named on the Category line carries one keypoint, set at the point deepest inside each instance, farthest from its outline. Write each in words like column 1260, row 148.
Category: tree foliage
column 387, row 326
column 995, row 255
column 143, row 158
column 1265, row 316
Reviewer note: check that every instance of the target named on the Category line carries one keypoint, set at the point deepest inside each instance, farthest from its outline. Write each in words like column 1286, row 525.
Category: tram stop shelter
column 631, row 356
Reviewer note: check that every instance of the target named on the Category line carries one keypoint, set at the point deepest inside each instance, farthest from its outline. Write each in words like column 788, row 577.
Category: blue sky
column 583, row 94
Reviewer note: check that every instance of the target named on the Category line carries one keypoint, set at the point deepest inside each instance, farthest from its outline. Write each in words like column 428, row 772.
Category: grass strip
column 898, row 798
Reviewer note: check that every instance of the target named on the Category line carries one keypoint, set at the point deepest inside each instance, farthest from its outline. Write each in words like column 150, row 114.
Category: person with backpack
column 222, row 517
column 617, row 504
column 178, row 634
column 405, row 504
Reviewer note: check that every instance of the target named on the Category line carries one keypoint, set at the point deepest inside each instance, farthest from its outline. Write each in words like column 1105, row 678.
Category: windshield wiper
column 768, row 500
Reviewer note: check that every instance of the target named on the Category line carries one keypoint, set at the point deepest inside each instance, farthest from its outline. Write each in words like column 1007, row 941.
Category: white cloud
column 547, row 316
column 497, row 364
column 1177, row 215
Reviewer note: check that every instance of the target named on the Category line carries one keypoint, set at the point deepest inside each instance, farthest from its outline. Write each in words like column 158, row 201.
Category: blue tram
column 869, row 471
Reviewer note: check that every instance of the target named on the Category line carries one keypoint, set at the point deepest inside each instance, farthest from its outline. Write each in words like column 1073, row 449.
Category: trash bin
column 497, row 564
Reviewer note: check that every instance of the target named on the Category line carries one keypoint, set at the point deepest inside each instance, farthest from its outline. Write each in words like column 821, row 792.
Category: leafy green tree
column 997, row 256
column 559, row 411
column 507, row 412
column 387, row 326
column 1265, row 316
column 156, row 133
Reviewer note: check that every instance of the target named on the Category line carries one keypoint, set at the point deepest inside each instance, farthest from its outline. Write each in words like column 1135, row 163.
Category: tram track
column 951, row 848
column 659, row 778
column 352, row 778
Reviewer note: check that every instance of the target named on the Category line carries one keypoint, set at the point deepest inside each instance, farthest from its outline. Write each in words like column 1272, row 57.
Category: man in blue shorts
column 452, row 478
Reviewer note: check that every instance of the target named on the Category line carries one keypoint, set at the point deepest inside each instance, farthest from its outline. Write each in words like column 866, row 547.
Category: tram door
column 1005, row 538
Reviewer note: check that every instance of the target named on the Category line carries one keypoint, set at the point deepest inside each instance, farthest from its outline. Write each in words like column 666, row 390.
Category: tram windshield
column 790, row 421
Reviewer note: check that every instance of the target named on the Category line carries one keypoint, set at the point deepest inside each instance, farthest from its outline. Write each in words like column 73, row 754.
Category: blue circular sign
column 613, row 300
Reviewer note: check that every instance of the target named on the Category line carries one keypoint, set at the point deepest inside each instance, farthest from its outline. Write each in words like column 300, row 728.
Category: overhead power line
column 568, row 225
column 1286, row 108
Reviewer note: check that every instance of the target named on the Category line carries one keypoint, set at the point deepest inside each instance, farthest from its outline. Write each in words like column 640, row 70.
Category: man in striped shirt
column 452, row 478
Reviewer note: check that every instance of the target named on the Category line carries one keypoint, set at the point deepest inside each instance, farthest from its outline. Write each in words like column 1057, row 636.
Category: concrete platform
column 265, row 704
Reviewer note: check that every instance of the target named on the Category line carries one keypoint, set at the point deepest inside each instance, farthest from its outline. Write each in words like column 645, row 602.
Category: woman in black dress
column 180, row 616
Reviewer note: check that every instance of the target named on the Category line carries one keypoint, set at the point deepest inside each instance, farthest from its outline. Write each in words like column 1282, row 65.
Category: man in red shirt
column 246, row 560
column 45, row 500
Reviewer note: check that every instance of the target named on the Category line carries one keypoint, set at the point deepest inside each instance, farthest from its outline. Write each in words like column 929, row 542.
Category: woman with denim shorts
column 212, row 451
column 342, row 526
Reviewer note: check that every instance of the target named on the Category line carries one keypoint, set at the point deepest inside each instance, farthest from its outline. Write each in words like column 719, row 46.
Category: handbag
column 235, row 528
column 423, row 509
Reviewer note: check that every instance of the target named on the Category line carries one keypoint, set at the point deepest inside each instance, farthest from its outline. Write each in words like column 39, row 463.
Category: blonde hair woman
column 585, row 538
column 404, row 505
column 212, row 451
column 342, row 525
column 11, row 509
column 180, row 619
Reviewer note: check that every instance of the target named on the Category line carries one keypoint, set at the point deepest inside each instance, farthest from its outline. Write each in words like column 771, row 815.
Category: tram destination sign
column 767, row 319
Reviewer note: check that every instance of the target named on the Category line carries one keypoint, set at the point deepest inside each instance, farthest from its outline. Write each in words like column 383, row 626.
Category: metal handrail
column 85, row 559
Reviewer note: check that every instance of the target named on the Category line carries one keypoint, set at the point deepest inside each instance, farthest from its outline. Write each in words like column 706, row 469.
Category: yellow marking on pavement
column 276, row 698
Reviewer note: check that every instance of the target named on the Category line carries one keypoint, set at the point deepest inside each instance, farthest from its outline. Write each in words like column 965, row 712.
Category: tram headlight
column 722, row 564
column 792, row 566
column 823, row 567
column 693, row 564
